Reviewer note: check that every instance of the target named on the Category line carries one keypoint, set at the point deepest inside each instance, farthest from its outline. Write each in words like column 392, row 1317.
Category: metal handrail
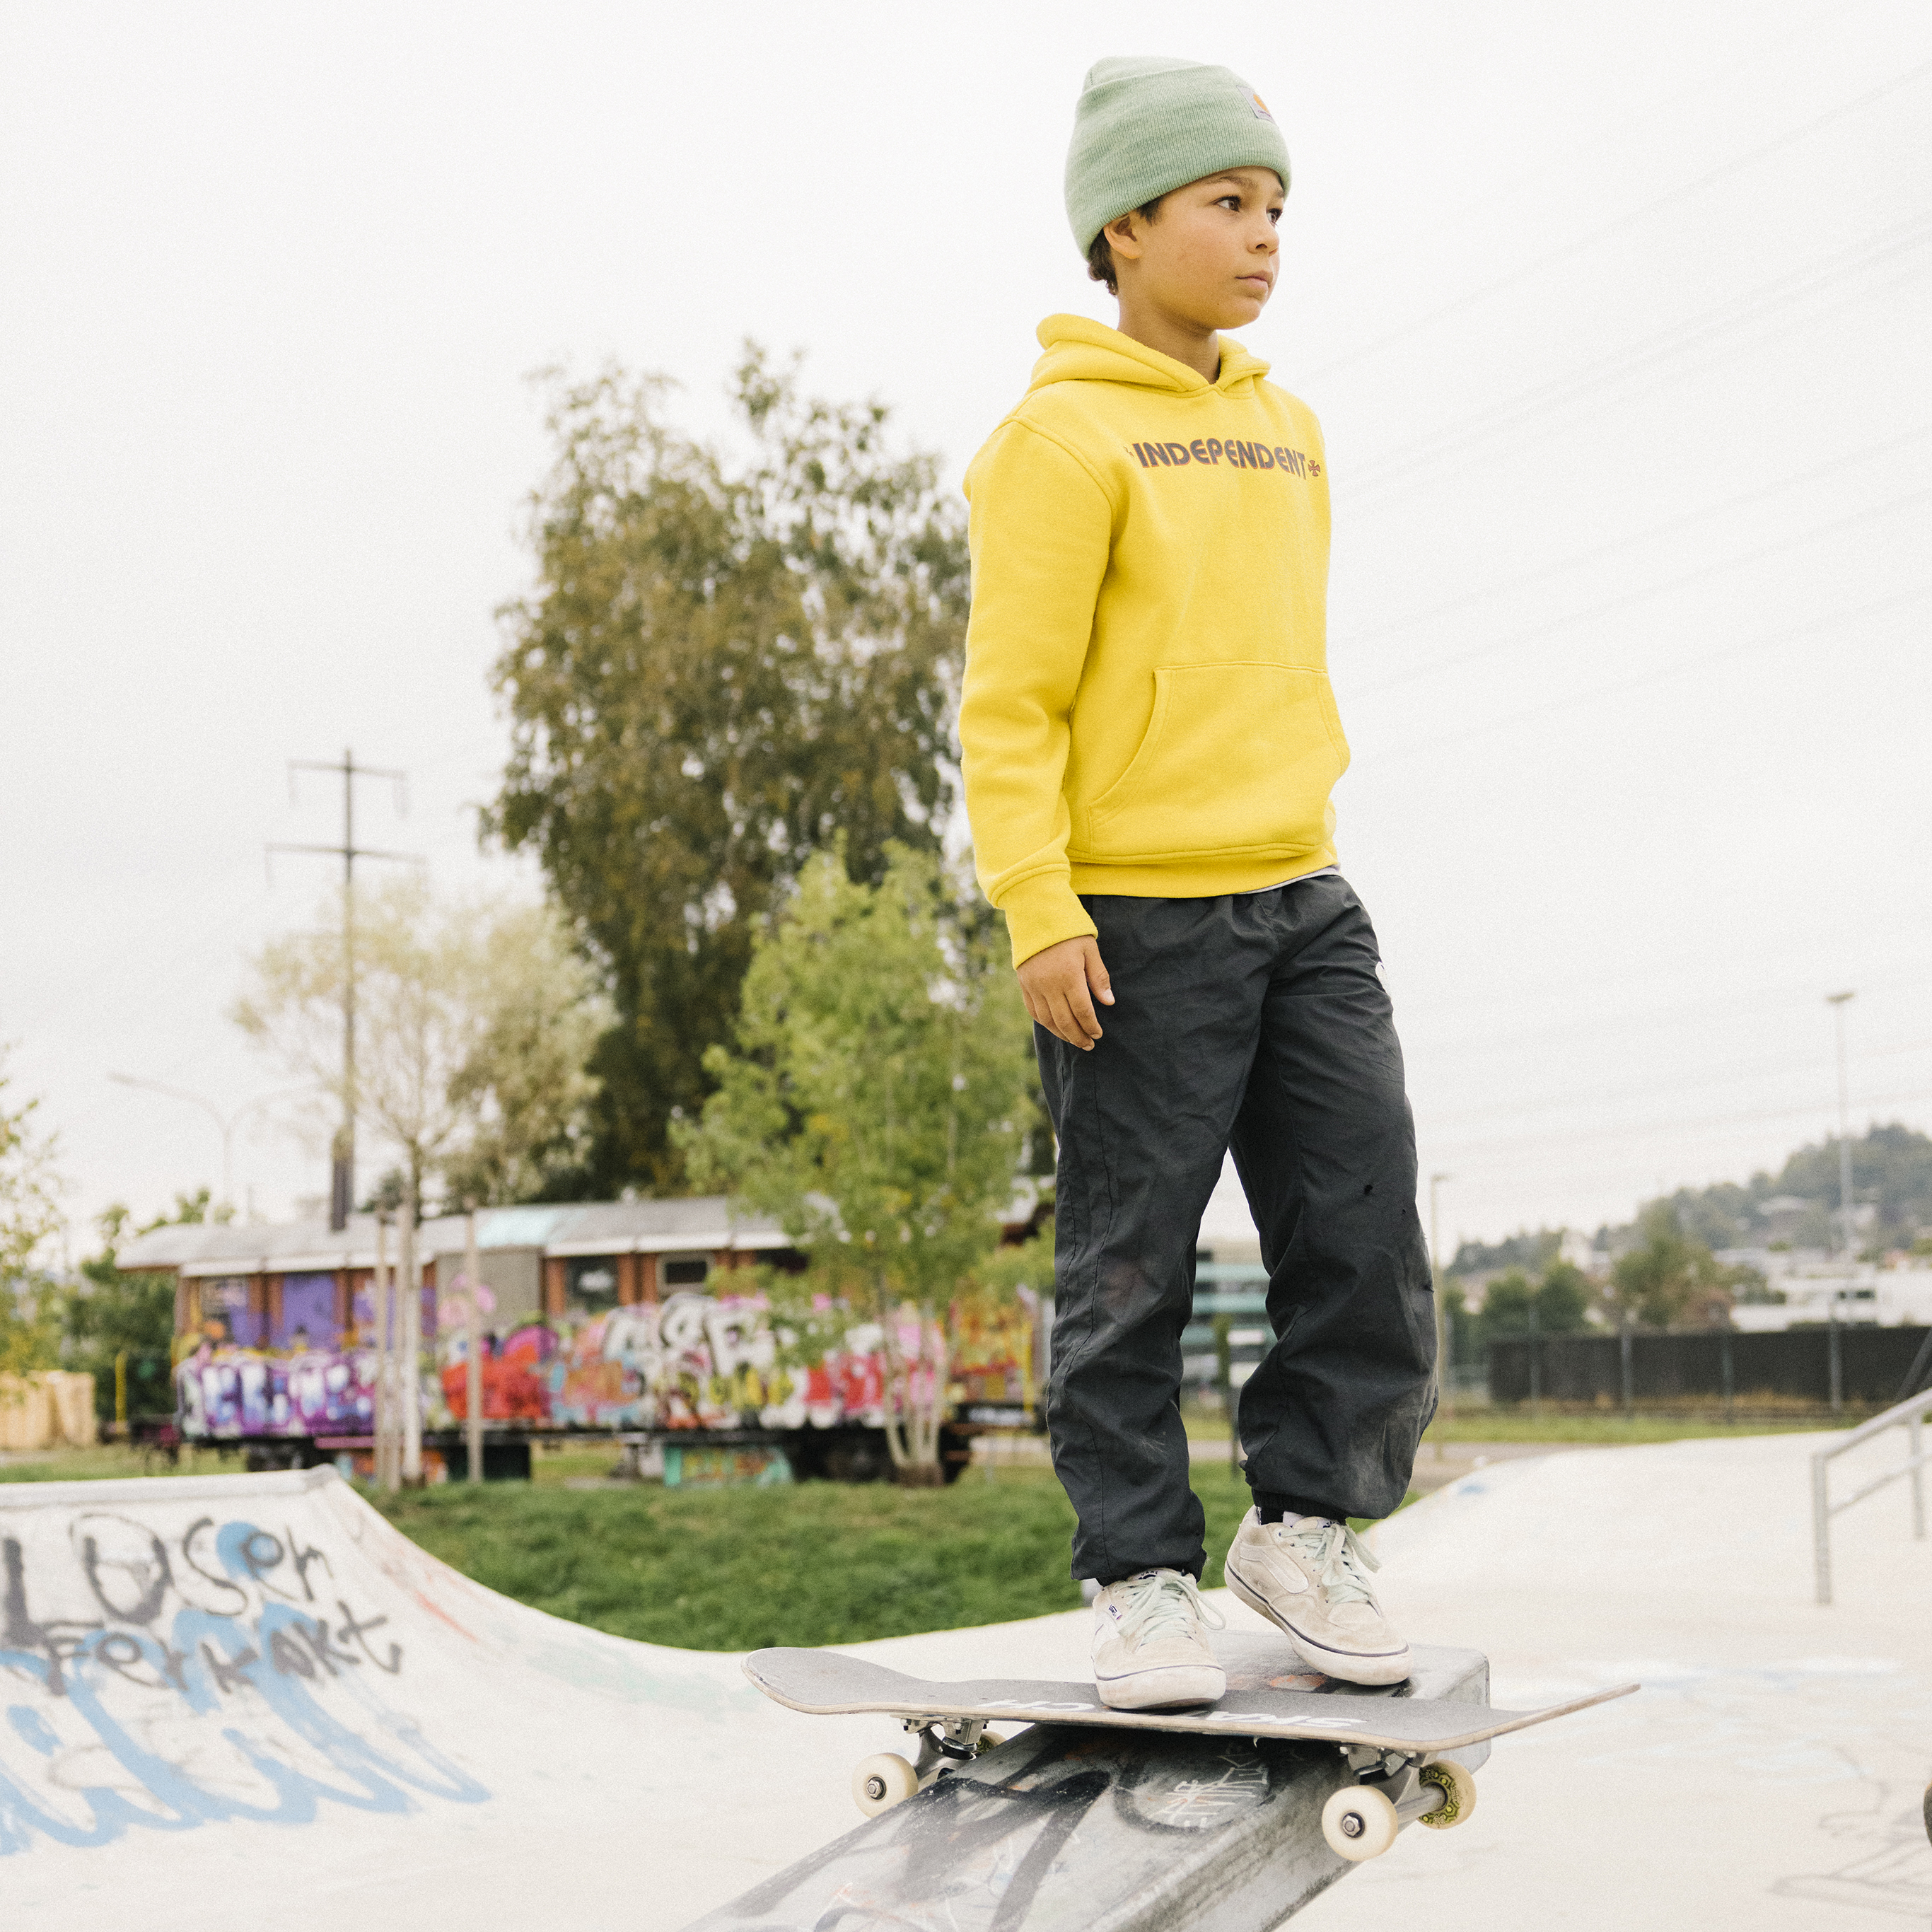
column 1910, row 1415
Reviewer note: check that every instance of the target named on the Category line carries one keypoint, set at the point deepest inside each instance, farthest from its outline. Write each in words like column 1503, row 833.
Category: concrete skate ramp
column 239, row 1700
column 407, row 1751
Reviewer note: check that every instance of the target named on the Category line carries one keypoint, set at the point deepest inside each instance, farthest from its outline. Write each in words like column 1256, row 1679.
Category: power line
column 1431, row 667
column 1498, row 586
column 1593, row 237
column 1734, row 1075
column 1659, row 1019
column 1547, row 1138
column 1739, row 311
column 1835, row 619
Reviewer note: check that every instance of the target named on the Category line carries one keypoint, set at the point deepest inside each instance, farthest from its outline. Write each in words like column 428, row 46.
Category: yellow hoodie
column 1147, row 708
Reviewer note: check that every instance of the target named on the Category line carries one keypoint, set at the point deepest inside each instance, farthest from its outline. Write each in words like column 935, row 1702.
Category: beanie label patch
column 1260, row 108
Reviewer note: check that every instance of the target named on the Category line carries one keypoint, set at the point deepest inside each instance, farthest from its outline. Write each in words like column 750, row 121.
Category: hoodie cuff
column 1042, row 911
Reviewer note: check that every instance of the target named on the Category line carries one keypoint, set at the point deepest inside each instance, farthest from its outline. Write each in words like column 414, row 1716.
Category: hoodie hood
column 1081, row 350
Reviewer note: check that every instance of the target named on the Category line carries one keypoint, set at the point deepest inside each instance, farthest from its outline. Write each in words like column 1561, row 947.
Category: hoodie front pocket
column 1236, row 756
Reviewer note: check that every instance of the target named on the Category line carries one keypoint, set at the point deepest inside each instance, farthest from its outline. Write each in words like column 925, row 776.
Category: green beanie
column 1146, row 126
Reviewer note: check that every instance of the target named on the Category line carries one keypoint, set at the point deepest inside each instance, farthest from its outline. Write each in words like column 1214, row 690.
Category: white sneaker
column 1310, row 1577
column 1150, row 1650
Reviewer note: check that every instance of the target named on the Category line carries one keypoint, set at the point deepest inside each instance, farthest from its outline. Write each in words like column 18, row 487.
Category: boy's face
column 1209, row 256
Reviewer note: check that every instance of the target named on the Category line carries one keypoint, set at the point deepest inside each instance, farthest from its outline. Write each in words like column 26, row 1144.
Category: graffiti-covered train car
column 639, row 1320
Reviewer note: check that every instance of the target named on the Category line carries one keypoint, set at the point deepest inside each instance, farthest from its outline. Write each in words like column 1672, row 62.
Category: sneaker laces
column 1165, row 1604
column 1339, row 1557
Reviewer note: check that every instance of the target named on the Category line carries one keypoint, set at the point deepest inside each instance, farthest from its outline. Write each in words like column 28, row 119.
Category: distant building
column 1812, row 1282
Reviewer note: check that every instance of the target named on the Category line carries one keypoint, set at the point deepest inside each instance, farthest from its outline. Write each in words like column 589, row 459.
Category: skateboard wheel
column 1459, row 1794
column 882, row 1781
column 1359, row 1823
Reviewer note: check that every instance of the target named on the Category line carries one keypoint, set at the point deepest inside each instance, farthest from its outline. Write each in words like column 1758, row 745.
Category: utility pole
column 1444, row 1367
column 1837, row 1002
column 342, row 1151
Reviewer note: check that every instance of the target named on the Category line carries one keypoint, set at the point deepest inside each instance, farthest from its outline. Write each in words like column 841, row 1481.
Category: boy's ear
column 1123, row 235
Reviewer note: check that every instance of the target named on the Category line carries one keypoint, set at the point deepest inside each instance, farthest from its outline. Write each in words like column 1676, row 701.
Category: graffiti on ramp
column 213, row 1661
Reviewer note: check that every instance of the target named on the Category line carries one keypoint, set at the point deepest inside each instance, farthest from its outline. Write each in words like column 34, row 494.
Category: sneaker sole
column 1168, row 1689
column 1376, row 1668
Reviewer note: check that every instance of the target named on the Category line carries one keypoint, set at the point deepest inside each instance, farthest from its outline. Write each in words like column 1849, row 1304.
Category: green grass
column 108, row 1463
column 1511, row 1425
column 573, row 1462
column 812, row 1564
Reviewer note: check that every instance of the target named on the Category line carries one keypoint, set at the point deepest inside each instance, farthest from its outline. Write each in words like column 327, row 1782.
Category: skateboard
column 1398, row 1748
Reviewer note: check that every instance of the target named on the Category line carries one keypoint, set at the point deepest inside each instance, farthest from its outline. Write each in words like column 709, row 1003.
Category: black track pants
column 1258, row 1023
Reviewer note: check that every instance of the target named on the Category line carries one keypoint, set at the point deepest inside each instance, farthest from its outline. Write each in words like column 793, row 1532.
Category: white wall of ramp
column 403, row 1749
column 1770, row 1774
column 512, row 1770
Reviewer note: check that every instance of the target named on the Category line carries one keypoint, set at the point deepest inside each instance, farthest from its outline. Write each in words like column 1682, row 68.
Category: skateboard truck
column 945, row 1744
column 1390, row 1789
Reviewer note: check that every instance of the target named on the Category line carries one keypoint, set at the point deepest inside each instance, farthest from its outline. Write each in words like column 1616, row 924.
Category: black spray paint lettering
column 353, row 1632
column 260, row 1552
column 315, row 1633
column 126, row 1656
column 132, row 1574
column 140, row 1571
column 230, row 1672
column 193, row 1530
column 288, row 1657
column 302, row 1557
column 59, row 1642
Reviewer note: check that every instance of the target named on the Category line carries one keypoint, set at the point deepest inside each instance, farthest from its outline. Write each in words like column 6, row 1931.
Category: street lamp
column 226, row 1123
column 1837, row 1002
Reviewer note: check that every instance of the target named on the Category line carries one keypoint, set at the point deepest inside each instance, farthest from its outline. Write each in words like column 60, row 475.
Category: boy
column 1149, row 741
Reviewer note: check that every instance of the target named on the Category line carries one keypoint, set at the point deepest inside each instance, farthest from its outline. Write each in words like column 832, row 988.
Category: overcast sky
column 1615, row 317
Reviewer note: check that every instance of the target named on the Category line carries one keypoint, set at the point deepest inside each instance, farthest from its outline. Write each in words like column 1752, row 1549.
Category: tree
column 723, row 670
column 1891, row 1171
column 876, row 1104
column 1669, row 1279
column 474, row 1021
column 1507, row 1302
column 108, row 1315
column 1524, row 1249
column 30, row 1187
column 1564, row 1301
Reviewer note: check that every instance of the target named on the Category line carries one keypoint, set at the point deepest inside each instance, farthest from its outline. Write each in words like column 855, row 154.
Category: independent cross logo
column 1211, row 450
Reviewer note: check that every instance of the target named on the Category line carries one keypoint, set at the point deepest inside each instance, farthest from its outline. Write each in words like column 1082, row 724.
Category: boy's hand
column 1054, row 984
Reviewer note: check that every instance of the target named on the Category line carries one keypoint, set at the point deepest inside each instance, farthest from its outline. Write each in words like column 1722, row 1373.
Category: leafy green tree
column 1891, row 1171
column 876, row 1104
column 725, row 666
column 1669, row 1279
column 30, row 1187
column 1563, row 1299
column 474, row 1022
column 1506, row 1302
column 108, row 1314
column 1529, row 1249
column 1461, row 1329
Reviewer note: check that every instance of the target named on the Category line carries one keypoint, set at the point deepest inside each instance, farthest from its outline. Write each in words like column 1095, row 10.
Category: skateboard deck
column 1271, row 1693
